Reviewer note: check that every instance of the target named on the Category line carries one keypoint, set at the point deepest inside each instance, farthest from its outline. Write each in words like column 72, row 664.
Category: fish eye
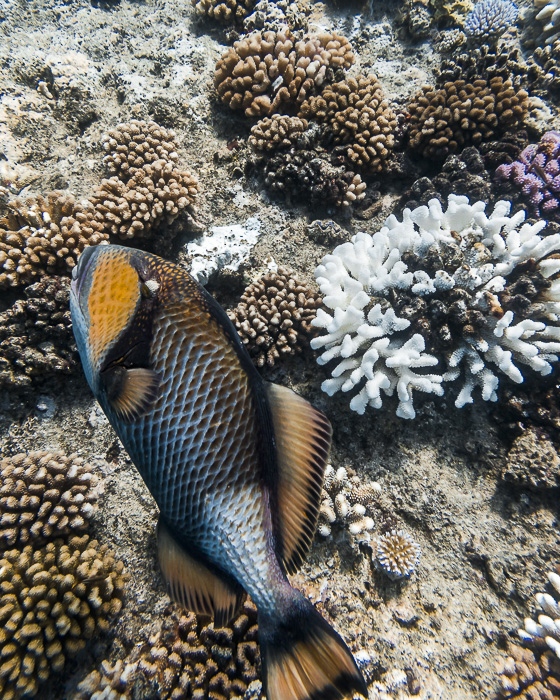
column 149, row 289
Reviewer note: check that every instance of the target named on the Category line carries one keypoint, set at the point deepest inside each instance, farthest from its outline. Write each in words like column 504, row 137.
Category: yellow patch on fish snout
column 114, row 296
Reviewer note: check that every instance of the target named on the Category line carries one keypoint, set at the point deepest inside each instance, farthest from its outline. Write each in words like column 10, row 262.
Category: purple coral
column 489, row 19
column 536, row 176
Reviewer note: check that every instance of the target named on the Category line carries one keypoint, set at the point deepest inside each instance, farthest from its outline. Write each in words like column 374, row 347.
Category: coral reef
column 549, row 15
column 277, row 133
column 544, row 71
column 547, row 631
column 36, row 337
column 276, row 15
column 44, row 235
column 532, row 461
column 489, row 19
column 345, row 500
column 358, row 117
column 416, row 17
column 529, row 675
column 477, row 291
column 225, row 11
column 309, row 175
column 44, row 495
column 273, row 72
column 52, row 600
column 460, row 114
column 111, row 682
column 535, row 177
column 208, row 663
column 451, row 12
column 397, row 554
column 273, row 317
column 485, row 62
column 148, row 188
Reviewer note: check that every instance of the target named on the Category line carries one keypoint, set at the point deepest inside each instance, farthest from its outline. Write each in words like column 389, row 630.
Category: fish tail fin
column 303, row 658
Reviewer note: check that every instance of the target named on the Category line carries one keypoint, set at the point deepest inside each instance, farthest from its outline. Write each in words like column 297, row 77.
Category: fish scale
column 235, row 464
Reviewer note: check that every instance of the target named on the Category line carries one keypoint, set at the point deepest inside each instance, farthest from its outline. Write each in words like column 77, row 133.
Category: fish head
column 113, row 295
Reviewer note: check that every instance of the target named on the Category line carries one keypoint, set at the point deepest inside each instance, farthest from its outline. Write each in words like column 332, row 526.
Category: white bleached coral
column 437, row 297
column 547, row 630
column 549, row 14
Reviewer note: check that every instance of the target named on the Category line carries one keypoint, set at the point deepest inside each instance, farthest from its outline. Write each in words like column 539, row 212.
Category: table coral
column 460, row 114
column 489, row 19
column 273, row 317
column 473, row 293
column 206, row 663
column 532, row 462
column 358, row 117
column 397, row 554
column 273, row 72
column 44, row 235
column 36, row 337
column 52, row 600
column 44, row 495
column 535, row 176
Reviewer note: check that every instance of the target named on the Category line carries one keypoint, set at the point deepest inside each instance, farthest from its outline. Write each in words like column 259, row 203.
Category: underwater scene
column 279, row 349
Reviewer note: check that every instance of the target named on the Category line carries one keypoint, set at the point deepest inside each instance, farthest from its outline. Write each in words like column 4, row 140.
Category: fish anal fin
column 303, row 438
column 130, row 390
column 192, row 585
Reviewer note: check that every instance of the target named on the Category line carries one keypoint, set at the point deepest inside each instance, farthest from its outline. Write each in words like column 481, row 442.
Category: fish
column 234, row 463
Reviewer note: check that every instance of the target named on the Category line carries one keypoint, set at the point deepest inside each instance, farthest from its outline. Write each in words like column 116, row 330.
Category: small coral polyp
column 441, row 296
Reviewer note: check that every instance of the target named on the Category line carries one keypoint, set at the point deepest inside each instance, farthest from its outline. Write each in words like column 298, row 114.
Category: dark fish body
column 234, row 464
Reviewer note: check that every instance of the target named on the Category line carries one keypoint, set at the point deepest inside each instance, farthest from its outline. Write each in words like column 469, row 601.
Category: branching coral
column 534, row 672
column 273, row 72
column 276, row 15
column 148, row 189
column 111, row 682
column 208, row 663
column 345, row 499
column 460, row 114
column 273, row 317
column 51, row 601
column 44, row 235
column 358, row 117
column 489, row 19
column 471, row 292
column 225, row 11
column 43, row 496
column 543, row 74
column 36, row 337
column 535, row 177
column 549, row 15
column 278, row 132
column 397, row 554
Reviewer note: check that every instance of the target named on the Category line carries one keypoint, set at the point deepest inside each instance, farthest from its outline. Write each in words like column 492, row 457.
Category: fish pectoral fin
column 130, row 390
column 303, row 438
column 192, row 585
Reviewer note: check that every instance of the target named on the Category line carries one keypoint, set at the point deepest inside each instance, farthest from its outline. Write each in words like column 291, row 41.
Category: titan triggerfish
column 234, row 463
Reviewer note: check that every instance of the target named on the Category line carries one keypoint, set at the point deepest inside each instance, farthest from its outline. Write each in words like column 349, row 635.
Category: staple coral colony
column 441, row 296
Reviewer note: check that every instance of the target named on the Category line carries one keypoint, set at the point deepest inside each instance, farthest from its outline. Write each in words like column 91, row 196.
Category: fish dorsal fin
column 192, row 585
column 303, row 439
column 130, row 391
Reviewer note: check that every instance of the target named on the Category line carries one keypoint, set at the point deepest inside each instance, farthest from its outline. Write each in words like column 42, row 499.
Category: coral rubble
column 473, row 293
column 270, row 72
column 43, row 496
column 52, row 599
column 273, row 317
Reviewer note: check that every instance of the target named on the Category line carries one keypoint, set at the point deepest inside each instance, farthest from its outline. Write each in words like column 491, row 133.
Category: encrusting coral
column 444, row 120
column 346, row 500
column 489, row 19
column 148, row 187
column 397, row 554
column 36, row 337
column 535, row 177
column 225, row 11
column 44, row 495
column 532, row 462
column 532, row 671
column 52, row 600
column 358, row 117
column 273, row 317
column 272, row 72
column 478, row 292
column 44, row 235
